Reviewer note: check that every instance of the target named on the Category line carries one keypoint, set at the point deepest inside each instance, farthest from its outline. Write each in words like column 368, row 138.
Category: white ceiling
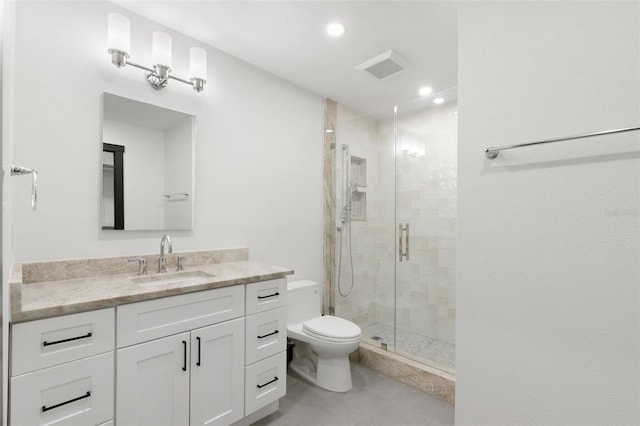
column 288, row 39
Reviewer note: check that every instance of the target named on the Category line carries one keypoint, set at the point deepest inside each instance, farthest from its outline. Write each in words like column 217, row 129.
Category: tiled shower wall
column 372, row 261
column 424, row 289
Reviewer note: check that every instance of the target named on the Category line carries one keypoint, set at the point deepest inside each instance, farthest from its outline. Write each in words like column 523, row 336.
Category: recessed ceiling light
column 425, row 91
column 335, row 29
column 438, row 101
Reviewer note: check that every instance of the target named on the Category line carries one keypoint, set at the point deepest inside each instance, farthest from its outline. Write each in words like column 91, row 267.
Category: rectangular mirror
column 148, row 166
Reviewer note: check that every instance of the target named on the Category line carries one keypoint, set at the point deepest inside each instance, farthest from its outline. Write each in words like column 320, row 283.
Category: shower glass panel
column 426, row 202
column 364, row 253
column 395, row 215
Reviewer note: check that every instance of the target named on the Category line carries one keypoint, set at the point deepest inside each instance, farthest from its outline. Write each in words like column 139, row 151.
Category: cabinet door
column 217, row 374
column 152, row 382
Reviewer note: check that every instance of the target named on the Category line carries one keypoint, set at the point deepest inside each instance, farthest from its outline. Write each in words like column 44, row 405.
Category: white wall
column 259, row 144
column 7, row 76
column 548, row 236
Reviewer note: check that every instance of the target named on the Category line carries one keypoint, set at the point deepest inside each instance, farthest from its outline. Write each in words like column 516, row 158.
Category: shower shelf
column 359, row 206
column 359, row 191
column 358, row 171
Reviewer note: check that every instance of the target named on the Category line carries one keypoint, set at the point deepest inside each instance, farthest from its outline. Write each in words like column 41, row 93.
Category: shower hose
column 348, row 230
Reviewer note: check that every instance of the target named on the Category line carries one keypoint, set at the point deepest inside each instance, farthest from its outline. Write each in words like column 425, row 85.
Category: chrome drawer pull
column 45, row 343
column 270, row 334
column 86, row 395
column 268, row 383
column 271, row 295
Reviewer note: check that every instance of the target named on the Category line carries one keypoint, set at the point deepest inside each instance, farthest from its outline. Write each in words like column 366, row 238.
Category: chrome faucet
column 162, row 261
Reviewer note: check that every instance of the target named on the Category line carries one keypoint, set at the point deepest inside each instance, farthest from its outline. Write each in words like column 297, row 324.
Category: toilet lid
column 334, row 327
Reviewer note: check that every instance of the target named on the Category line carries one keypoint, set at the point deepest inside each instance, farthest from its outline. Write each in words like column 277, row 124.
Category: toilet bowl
column 322, row 344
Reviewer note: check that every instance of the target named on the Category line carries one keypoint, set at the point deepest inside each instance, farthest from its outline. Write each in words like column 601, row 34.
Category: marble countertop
column 53, row 298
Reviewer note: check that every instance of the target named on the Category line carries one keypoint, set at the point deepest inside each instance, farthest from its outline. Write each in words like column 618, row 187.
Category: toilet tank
column 303, row 301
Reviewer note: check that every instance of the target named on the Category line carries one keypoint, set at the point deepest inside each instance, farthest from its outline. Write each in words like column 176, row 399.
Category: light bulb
column 425, row 91
column 335, row 29
column 197, row 63
column 161, row 50
column 118, row 33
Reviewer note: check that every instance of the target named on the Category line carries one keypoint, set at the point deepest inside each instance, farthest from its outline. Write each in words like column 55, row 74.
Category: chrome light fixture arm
column 158, row 76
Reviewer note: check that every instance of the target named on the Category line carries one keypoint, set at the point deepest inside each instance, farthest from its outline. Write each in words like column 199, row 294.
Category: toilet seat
column 331, row 329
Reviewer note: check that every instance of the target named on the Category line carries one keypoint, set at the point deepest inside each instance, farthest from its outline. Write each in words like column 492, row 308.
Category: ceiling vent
column 384, row 65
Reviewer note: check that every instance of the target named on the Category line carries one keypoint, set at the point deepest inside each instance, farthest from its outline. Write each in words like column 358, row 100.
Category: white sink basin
column 182, row 278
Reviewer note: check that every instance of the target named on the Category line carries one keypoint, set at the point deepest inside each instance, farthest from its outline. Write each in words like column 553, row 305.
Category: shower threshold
column 414, row 346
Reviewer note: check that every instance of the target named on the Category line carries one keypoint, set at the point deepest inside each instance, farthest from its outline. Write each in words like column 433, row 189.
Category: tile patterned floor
column 375, row 400
column 411, row 345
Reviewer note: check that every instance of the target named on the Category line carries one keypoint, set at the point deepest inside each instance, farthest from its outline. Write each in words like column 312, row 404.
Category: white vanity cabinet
column 195, row 377
column 62, row 370
column 210, row 357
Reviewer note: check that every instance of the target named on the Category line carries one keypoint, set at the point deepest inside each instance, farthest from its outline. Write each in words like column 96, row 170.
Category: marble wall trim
column 328, row 216
column 429, row 380
column 35, row 272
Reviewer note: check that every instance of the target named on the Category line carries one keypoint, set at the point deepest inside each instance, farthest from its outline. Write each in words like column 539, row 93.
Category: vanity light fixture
column 118, row 39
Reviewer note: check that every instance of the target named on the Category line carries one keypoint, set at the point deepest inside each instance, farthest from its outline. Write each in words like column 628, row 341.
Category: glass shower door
column 425, row 209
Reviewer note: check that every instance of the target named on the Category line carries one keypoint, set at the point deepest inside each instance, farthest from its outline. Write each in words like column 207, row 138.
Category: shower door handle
column 406, row 253
column 400, row 249
column 403, row 248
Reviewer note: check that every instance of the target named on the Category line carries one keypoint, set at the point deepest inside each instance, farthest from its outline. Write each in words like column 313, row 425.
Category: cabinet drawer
column 265, row 382
column 266, row 334
column 265, row 295
column 77, row 393
column 52, row 341
column 152, row 319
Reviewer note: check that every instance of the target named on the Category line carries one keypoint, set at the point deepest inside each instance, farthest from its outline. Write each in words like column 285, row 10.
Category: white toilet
column 322, row 344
